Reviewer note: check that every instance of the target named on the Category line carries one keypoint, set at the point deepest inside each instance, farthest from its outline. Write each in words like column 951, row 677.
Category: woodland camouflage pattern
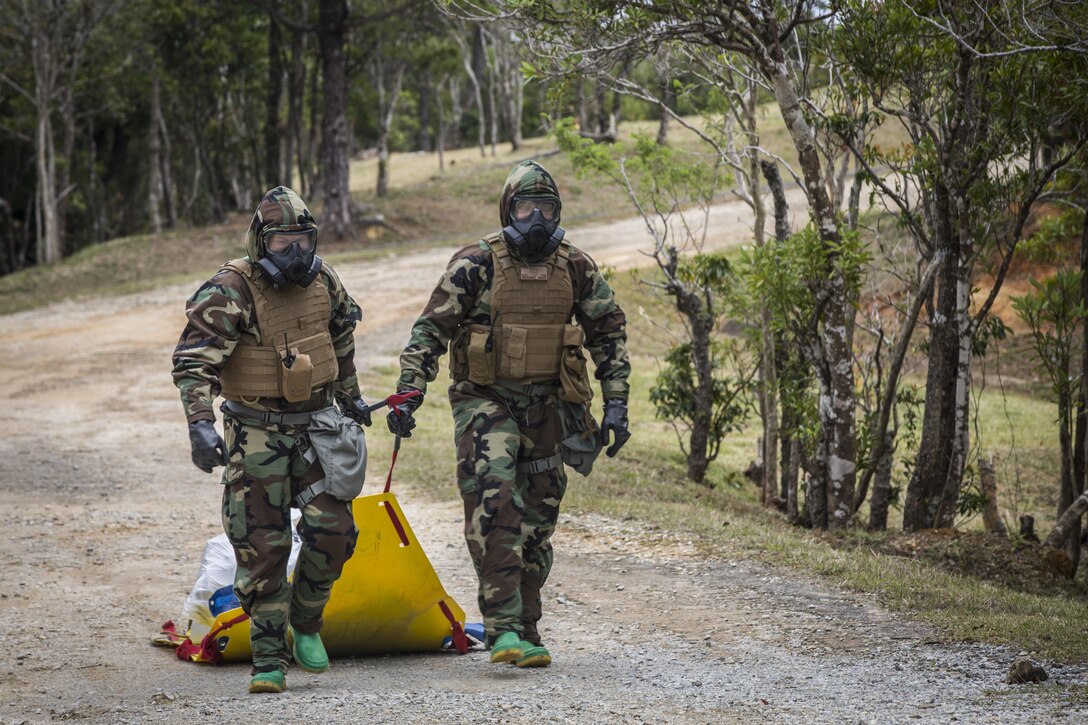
column 222, row 309
column 510, row 515
column 527, row 179
column 266, row 468
column 265, row 471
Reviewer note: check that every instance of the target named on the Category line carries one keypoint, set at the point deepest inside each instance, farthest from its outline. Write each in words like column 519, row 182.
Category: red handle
column 394, row 400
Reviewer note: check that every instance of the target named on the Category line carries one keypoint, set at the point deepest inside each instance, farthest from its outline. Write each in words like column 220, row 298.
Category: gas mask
column 289, row 256
column 533, row 230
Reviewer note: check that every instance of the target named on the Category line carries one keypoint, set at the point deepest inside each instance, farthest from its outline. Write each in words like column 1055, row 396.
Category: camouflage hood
column 281, row 207
column 527, row 179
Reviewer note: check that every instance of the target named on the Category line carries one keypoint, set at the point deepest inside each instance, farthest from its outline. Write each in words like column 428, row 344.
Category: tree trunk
column 701, row 330
column 169, row 191
column 1069, row 489
column 934, row 459
column 492, row 102
column 7, row 236
column 49, row 245
column 516, row 80
column 950, row 494
column 604, row 122
column 1027, row 528
column 97, row 223
column 424, row 115
column 387, row 108
column 313, row 139
column 789, row 367
column 469, row 61
column 616, row 107
column 882, row 486
column 49, row 235
column 457, row 114
column 273, row 129
column 335, row 169
column 816, row 489
column 583, row 105
column 64, row 187
column 991, row 513
column 440, row 109
column 837, row 402
column 668, row 97
column 512, row 87
column 154, row 182
column 770, row 374
column 790, row 472
column 1080, row 437
column 296, row 90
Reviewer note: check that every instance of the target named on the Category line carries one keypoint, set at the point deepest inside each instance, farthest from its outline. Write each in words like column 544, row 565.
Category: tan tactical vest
column 531, row 338
column 297, row 315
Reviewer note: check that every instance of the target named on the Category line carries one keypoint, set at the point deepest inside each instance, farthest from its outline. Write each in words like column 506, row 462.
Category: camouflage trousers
column 510, row 515
column 265, row 472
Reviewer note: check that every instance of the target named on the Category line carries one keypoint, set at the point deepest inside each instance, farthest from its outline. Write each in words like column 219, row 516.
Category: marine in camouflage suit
column 267, row 457
column 507, row 433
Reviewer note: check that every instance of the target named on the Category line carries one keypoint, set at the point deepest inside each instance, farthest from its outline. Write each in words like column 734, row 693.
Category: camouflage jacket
column 220, row 311
column 463, row 295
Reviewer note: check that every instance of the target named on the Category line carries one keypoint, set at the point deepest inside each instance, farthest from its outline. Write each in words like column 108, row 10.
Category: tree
column 965, row 188
column 332, row 28
column 1055, row 312
column 693, row 391
column 54, row 35
column 506, row 73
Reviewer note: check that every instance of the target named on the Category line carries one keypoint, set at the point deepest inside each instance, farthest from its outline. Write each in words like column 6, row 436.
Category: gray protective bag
column 581, row 443
column 340, row 445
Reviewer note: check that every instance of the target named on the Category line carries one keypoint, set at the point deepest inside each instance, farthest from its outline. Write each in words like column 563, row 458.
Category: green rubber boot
column 534, row 655
column 268, row 682
column 309, row 652
column 508, row 647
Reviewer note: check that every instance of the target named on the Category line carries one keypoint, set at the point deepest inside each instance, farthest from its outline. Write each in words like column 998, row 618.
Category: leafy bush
column 674, row 392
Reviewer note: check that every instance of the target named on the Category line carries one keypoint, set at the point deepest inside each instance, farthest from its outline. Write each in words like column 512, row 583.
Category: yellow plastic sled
column 388, row 598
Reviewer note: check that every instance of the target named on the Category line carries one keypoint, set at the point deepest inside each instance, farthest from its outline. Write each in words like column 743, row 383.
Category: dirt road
column 107, row 518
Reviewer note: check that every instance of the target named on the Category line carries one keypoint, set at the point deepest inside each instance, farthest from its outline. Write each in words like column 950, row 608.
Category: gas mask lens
column 278, row 242
column 523, row 208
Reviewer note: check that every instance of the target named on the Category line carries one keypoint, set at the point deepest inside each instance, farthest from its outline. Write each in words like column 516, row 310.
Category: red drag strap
column 460, row 641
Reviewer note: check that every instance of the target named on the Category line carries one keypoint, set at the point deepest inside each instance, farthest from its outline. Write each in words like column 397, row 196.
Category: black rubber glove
column 356, row 410
column 209, row 450
column 400, row 419
column 615, row 422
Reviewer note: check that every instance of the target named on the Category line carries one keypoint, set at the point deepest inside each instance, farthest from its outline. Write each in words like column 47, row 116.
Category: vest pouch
column 296, row 381
column 573, row 336
column 513, row 353
column 459, row 356
column 574, row 384
column 481, row 363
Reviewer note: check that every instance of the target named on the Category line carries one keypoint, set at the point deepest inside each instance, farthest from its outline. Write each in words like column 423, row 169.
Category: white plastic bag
column 217, row 567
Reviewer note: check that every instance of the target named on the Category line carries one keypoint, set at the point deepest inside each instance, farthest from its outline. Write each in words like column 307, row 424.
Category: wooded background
column 940, row 147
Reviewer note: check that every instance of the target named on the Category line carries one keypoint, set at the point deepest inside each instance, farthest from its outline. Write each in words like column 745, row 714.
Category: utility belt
column 268, row 417
column 532, row 390
column 330, row 437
